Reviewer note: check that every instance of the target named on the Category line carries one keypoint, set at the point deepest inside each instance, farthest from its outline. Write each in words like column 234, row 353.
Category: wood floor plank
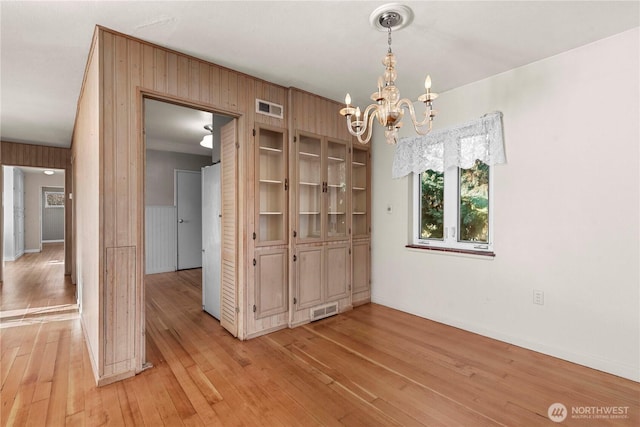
column 37, row 413
column 56, row 411
column 129, row 404
column 8, row 357
column 11, row 388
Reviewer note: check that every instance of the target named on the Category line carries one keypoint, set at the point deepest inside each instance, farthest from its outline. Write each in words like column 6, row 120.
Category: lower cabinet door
column 337, row 271
column 360, row 272
column 309, row 270
column 271, row 282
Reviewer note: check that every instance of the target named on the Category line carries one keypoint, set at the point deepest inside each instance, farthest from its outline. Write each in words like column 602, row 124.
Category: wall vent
column 269, row 108
column 324, row 311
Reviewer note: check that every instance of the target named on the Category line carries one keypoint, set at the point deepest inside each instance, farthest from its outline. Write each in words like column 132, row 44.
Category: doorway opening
column 34, row 281
column 182, row 216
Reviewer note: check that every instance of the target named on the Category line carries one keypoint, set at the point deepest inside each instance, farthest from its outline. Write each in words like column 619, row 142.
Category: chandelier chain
column 389, row 40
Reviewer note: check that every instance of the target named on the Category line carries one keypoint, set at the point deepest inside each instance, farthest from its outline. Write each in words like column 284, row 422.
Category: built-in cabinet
column 269, row 278
column 322, row 253
column 309, row 210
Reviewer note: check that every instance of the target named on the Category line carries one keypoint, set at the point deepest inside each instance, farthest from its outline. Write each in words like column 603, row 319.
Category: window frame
column 450, row 242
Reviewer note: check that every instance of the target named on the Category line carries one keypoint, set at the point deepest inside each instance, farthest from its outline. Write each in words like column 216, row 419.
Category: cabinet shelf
column 358, row 188
column 336, row 213
column 359, row 213
column 270, row 181
column 271, row 149
column 358, row 164
column 270, row 213
column 309, row 213
column 311, row 184
column 335, row 159
column 305, row 154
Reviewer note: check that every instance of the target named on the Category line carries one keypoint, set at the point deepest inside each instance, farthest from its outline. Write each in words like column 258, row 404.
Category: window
column 453, row 183
column 452, row 209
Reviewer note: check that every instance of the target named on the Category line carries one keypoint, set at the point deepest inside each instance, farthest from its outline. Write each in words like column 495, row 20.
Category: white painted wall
column 566, row 213
column 159, row 179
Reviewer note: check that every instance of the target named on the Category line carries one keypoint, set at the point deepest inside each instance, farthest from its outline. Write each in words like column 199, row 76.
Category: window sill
column 453, row 251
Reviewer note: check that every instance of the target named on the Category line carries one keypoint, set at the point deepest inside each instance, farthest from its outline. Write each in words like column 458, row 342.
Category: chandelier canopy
column 388, row 107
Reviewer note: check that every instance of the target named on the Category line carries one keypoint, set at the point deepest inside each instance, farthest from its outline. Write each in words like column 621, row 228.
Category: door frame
column 140, row 311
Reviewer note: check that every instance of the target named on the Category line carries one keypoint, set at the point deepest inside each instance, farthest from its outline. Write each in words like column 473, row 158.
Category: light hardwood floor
column 35, row 285
column 373, row 366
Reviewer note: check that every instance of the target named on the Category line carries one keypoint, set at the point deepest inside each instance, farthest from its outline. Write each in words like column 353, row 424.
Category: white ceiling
column 325, row 47
column 170, row 127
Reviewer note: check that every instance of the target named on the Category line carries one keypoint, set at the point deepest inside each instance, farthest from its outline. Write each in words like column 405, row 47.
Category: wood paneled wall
column 315, row 114
column 37, row 156
column 40, row 156
column 128, row 70
column 88, row 267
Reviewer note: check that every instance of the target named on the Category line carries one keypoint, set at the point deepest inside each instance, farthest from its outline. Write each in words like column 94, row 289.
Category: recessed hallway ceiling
column 325, row 47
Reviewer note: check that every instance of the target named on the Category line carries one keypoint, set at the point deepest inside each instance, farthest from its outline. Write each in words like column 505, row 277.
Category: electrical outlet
column 389, row 209
column 538, row 297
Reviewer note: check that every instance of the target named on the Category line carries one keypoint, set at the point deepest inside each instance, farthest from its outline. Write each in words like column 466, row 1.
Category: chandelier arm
column 359, row 125
column 350, row 126
column 418, row 126
column 369, row 124
column 365, row 125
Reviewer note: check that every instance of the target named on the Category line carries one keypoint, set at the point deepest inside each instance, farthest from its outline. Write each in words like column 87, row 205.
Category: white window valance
column 458, row 146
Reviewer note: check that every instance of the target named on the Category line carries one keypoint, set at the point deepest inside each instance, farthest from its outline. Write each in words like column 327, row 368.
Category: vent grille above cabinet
column 269, row 108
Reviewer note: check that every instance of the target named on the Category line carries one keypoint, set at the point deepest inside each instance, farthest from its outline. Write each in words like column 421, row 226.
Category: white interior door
column 211, row 260
column 189, row 214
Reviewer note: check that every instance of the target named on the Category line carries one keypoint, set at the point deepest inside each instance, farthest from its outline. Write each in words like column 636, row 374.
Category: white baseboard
column 53, row 241
column 31, row 251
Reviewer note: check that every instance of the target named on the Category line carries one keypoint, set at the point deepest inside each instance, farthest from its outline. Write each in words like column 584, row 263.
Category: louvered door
column 229, row 203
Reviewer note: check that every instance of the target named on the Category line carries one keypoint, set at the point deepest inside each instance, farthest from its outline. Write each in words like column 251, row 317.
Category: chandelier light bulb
column 427, row 83
column 347, row 99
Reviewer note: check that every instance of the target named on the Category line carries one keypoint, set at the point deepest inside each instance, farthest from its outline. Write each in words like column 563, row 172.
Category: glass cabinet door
column 271, row 200
column 336, row 190
column 310, row 187
column 359, row 192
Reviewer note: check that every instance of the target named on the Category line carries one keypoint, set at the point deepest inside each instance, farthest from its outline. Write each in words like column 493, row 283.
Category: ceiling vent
column 269, row 108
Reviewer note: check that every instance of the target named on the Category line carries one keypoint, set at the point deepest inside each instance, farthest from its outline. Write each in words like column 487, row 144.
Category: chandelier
column 388, row 107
